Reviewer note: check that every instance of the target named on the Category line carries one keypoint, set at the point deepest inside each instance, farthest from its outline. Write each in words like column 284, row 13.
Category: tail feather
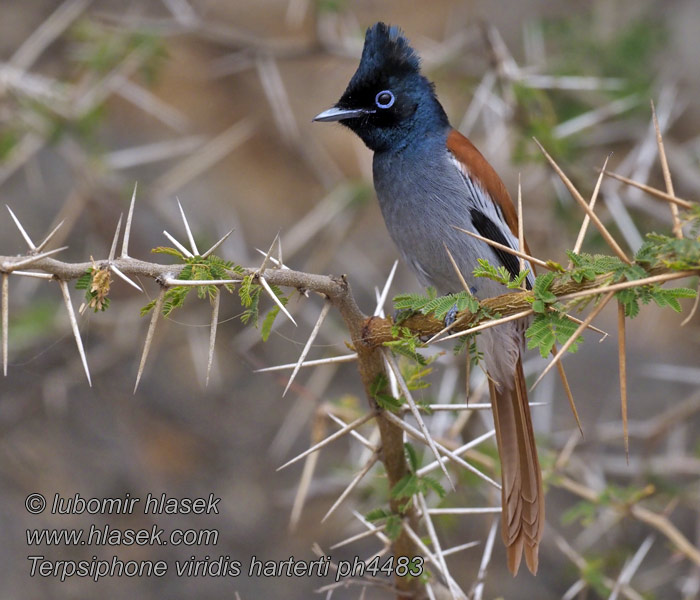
column 522, row 518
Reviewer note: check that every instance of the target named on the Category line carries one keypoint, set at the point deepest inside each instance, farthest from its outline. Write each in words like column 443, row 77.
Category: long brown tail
column 522, row 519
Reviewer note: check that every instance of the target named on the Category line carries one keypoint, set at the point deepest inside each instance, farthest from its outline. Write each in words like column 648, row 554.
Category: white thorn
column 275, row 299
column 362, row 439
column 334, row 436
column 178, row 245
column 360, row 536
column 416, row 413
column 127, row 227
column 351, row 486
column 33, row 274
column 313, row 363
column 458, row 452
column 32, row 259
column 74, row 326
column 415, row 433
column 459, row 548
column 117, row 272
column 485, row 560
column 5, row 319
column 307, row 346
column 263, row 266
column 212, row 332
column 454, row 589
column 21, row 230
column 273, row 260
column 172, row 282
column 149, row 335
column 385, row 291
column 113, row 249
column 215, row 246
column 190, row 237
column 47, row 239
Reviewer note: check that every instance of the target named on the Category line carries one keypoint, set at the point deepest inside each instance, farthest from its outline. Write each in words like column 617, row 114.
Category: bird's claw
column 451, row 316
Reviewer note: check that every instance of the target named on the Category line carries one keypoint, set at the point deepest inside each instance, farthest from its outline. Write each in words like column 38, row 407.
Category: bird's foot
column 451, row 316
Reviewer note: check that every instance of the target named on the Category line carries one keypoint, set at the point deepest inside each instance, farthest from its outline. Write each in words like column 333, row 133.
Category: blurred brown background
column 212, row 101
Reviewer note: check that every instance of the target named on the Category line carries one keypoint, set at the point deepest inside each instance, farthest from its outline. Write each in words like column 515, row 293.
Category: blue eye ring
column 387, row 103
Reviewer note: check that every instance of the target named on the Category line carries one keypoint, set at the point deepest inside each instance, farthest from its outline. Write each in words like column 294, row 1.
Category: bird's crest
column 386, row 50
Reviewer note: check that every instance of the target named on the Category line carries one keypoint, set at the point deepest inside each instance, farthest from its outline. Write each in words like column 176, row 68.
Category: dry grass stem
column 627, row 284
column 586, row 218
column 457, row 271
column 622, row 356
column 577, row 196
column 494, row 323
column 521, row 226
column 508, row 249
column 44, row 35
column 651, row 190
column 677, row 228
column 567, row 390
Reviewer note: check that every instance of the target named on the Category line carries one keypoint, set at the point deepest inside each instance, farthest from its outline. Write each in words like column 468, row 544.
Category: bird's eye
column 384, row 99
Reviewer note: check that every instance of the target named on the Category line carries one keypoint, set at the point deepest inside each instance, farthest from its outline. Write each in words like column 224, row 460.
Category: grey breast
column 422, row 197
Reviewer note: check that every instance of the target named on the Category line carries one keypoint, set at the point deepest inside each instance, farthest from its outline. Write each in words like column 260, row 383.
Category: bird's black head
column 388, row 101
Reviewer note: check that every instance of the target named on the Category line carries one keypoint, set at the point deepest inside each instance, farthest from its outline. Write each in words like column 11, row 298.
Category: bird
column 430, row 180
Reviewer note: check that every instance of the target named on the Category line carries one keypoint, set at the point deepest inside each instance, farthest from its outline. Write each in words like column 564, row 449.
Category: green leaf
column 267, row 323
column 377, row 514
column 548, row 328
column 405, row 487
column 168, row 250
column 412, row 456
column 433, row 484
column 84, row 281
column 393, row 528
